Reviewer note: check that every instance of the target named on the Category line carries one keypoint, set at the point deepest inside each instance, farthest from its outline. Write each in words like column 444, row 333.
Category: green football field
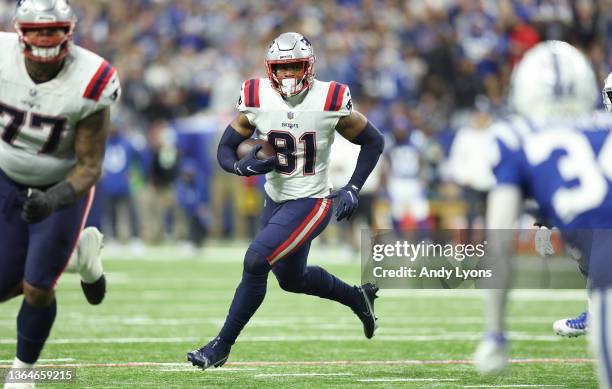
column 164, row 304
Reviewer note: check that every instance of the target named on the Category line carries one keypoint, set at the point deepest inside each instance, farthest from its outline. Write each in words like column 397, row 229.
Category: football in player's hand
column 246, row 146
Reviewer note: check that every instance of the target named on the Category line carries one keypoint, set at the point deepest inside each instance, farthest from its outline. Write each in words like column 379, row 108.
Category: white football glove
column 542, row 241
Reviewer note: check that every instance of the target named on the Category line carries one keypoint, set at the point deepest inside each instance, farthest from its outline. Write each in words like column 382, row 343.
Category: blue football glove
column 251, row 166
column 347, row 201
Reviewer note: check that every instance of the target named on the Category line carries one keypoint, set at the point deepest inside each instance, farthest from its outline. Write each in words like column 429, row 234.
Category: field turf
column 164, row 304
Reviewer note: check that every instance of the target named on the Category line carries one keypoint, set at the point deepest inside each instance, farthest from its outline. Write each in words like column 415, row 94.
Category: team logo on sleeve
column 349, row 105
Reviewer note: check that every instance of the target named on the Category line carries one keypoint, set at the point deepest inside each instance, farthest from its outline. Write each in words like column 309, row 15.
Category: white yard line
column 514, row 386
column 407, row 380
column 302, row 375
column 461, row 336
column 319, row 363
column 78, row 320
column 43, row 360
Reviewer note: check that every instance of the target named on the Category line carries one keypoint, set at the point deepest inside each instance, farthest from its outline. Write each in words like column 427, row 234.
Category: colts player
column 299, row 116
column 55, row 100
column 558, row 151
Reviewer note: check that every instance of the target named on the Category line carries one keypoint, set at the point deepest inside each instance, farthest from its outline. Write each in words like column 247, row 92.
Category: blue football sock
column 248, row 297
column 319, row 282
column 33, row 328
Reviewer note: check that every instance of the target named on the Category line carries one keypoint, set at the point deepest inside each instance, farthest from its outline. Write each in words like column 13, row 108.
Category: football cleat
column 491, row 356
column 572, row 328
column 215, row 353
column 95, row 292
column 365, row 313
column 89, row 265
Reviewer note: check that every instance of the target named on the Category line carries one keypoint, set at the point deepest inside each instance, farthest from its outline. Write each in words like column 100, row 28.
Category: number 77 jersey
column 302, row 135
column 38, row 121
column 565, row 166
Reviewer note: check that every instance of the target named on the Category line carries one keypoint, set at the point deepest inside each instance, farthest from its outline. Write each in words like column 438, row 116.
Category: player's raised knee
column 38, row 297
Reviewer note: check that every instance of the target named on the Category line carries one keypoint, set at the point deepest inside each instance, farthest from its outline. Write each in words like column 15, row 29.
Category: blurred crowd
column 432, row 74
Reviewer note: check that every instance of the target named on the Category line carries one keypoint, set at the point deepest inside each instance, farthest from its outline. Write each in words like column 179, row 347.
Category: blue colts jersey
column 565, row 166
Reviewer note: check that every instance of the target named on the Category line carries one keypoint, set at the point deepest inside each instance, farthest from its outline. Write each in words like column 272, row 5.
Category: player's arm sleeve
column 226, row 151
column 357, row 129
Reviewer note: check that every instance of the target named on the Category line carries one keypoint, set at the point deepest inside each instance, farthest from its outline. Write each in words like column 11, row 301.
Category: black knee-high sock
column 33, row 328
column 319, row 282
column 248, row 297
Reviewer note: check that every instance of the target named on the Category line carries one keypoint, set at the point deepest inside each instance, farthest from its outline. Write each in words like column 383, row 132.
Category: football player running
column 54, row 116
column 298, row 115
column 556, row 151
column 578, row 326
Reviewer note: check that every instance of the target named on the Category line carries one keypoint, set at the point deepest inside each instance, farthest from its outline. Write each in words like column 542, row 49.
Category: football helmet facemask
column 290, row 48
column 44, row 14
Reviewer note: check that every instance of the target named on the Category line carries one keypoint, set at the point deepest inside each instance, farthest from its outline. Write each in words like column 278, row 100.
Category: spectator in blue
column 114, row 187
column 191, row 190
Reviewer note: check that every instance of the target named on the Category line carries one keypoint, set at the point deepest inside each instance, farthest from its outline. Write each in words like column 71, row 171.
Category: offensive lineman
column 299, row 116
column 558, row 152
column 54, row 113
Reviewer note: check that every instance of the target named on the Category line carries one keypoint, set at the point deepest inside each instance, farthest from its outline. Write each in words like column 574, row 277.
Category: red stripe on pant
column 314, row 227
column 90, row 197
column 297, row 231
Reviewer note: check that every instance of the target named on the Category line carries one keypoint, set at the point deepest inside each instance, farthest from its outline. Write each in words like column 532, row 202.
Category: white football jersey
column 37, row 121
column 302, row 135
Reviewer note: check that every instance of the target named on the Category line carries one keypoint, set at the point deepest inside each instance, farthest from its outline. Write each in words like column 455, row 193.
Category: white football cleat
column 572, row 327
column 491, row 356
column 89, row 255
column 89, row 265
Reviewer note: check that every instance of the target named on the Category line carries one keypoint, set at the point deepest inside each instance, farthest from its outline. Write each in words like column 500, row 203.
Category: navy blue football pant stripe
column 36, row 253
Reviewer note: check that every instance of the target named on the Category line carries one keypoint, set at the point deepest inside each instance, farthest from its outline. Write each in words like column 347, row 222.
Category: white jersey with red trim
column 302, row 134
column 38, row 121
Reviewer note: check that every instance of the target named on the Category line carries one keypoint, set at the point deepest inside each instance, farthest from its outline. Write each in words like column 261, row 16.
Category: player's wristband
column 61, row 195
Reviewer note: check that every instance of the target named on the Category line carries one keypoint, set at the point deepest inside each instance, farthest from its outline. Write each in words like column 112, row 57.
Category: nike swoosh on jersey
column 251, row 170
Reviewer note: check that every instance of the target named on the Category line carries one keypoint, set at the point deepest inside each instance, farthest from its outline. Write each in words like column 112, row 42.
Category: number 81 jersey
column 302, row 135
column 564, row 165
column 38, row 121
